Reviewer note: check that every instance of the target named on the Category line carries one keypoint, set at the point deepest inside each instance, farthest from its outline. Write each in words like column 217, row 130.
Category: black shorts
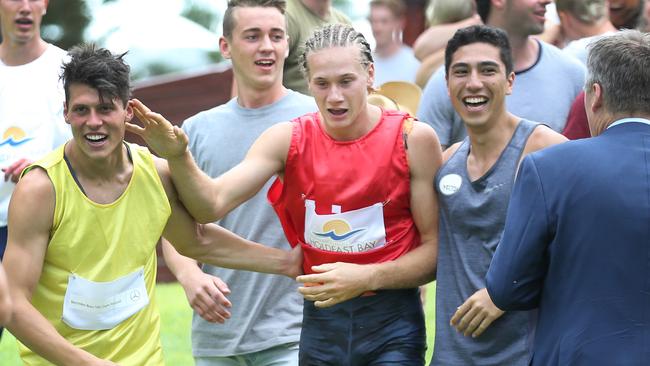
column 384, row 329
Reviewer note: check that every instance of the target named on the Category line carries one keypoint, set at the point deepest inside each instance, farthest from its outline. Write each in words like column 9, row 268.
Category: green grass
column 176, row 317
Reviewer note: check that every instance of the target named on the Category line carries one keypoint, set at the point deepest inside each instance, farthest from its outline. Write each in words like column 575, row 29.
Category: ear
column 371, row 75
column 596, row 98
column 65, row 112
column 510, row 82
column 46, row 2
column 129, row 111
column 286, row 53
column 224, row 47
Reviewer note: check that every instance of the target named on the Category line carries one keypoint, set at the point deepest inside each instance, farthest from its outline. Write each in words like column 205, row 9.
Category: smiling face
column 258, row 46
column 339, row 83
column 21, row 20
column 97, row 125
column 478, row 84
column 525, row 17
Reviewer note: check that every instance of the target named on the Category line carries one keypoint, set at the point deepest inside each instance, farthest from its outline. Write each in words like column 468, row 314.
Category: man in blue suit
column 576, row 243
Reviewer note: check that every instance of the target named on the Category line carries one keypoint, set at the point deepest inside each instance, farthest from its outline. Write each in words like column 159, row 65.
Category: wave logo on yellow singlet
column 14, row 136
column 337, row 230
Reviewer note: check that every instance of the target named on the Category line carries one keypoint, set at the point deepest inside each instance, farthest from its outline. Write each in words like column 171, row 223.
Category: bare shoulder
column 541, row 137
column 423, row 148
column 423, row 134
column 273, row 143
column 35, row 186
column 449, row 152
column 33, row 200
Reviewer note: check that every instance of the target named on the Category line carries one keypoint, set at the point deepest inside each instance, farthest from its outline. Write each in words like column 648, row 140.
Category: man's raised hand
column 166, row 140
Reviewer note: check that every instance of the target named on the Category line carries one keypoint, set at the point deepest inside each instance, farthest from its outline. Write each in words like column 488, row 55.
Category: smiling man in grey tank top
column 474, row 187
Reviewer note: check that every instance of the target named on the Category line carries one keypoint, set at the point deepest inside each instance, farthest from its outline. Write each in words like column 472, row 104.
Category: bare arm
column 210, row 243
column 205, row 293
column 5, row 299
column 429, row 65
column 30, row 219
column 342, row 281
column 435, row 38
column 205, row 198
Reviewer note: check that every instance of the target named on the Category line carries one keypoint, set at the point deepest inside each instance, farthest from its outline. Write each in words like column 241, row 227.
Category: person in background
column 626, row 14
column 263, row 326
column 303, row 18
column 394, row 61
column 31, row 108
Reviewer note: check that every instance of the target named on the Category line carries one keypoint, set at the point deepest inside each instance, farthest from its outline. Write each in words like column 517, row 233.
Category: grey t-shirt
column 472, row 218
column 266, row 309
column 543, row 93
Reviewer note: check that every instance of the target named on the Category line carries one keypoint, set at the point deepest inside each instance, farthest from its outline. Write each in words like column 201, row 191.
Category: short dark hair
column 480, row 34
column 396, row 7
column 229, row 17
column 100, row 69
column 483, row 9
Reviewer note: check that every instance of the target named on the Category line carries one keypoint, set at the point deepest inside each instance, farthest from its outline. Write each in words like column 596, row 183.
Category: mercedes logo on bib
column 450, row 184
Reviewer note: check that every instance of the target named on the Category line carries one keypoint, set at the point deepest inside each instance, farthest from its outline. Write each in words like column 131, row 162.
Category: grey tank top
column 472, row 217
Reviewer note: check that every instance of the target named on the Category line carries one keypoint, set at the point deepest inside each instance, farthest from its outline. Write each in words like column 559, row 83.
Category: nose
column 24, row 6
column 334, row 94
column 94, row 120
column 474, row 81
column 266, row 45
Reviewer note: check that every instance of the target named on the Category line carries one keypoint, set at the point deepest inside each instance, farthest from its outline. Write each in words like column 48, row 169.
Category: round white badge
column 450, row 184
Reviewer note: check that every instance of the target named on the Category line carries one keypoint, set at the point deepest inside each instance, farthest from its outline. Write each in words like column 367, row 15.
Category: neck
column 318, row 7
column 525, row 51
column 388, row 49
column 580, row 30
column 253, row 98
column 106, row 169
column 488, row 143
column 16, row 54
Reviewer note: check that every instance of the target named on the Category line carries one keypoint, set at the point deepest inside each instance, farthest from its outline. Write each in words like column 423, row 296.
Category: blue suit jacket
column 577, row 245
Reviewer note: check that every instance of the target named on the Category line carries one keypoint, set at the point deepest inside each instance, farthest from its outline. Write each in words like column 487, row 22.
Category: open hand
column 207, row 296
column 166, row 140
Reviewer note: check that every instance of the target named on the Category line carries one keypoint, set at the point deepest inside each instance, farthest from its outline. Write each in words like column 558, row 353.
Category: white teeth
column 264, row 63
column 95, row 137
column 475, row 100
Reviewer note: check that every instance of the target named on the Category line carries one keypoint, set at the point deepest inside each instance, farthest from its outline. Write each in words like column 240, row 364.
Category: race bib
column 355, row 231
column 90, row 305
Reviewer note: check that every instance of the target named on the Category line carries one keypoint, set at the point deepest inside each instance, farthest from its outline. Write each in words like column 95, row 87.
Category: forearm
column 195, row 189
column 220, row 247
column 435, row 38
column 34, row 331
column 180, row 266
column 413, row 269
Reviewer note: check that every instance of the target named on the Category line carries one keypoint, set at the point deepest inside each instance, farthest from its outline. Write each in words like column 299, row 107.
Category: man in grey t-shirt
column 265, row 319
column 548, row 81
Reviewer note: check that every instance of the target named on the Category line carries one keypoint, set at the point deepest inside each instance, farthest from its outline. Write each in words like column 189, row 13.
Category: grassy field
column 175, row 328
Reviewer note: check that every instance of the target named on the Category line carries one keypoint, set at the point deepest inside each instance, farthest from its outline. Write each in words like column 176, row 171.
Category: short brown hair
column 396, row 7
column 229, row 18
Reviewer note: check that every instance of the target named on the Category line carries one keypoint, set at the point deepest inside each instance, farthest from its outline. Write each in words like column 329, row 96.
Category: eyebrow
column 257, row 30
column 480, row 64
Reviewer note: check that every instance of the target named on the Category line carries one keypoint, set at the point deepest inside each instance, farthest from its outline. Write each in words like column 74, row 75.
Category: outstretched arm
column 208, row 199
column 30, row 220
column 210, row 243
column 338, row 282
column 435, row 38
